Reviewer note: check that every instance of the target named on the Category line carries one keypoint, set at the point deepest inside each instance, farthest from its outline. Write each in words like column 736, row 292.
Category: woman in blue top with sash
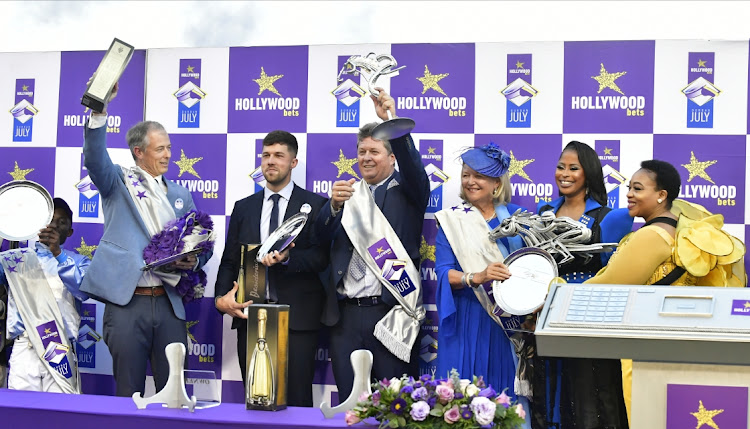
column 470, row 338
column 581, row 393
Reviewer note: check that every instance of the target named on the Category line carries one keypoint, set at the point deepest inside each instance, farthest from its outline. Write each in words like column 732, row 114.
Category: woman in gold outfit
column 681, row 243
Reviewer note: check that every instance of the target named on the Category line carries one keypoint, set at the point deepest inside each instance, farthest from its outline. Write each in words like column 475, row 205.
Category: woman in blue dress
column 469, row 339
column 581, row 393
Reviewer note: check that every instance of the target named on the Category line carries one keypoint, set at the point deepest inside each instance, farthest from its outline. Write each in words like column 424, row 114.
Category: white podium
column 680, row 338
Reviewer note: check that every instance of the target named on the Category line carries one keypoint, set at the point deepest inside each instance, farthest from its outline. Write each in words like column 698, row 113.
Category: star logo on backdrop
column 189, row 325
column 517, row 166
column 25, row 88
column 519, row 65
column 426, row 251
column 18, row 174
column 265, row 82
column 697, row 168
column 747, row 304
column 86, row 250
column 186, row 164
column 607, row 80
column 607, row 151
column 430, row 81
column 190, row 69
column 431, row 150
column 706, row 417
column 344, row 165
column 701, row 63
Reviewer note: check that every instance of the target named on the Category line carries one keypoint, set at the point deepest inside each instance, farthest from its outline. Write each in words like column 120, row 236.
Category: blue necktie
column 273, row 223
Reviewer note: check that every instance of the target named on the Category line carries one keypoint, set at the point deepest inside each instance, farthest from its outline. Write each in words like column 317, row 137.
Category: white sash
column 385, row 256
column 36, row 289
column 468, row 234
column 153, row 205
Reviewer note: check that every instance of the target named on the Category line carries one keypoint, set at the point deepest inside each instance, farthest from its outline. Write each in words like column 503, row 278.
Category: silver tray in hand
column 285, row 234
column 531, row 270
column 25, row 208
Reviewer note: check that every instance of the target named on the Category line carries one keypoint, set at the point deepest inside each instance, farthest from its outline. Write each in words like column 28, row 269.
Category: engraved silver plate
column 25, row 208
column 285, row 234
column 532, row 270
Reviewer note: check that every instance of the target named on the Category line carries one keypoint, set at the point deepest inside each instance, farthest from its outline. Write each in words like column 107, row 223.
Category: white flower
column 395, row 384
column 483, row 409
column 471, row 390
column 462, row 384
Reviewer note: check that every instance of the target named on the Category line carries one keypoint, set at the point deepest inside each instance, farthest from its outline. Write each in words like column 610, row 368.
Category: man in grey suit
column 142, row 315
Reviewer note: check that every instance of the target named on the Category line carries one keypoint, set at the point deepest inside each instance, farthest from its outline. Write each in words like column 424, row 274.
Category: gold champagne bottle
column 240, row 298
column 260, row 372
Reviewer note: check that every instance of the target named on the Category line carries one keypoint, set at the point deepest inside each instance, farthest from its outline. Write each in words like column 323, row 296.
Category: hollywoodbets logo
column 190, row 94
column 87, row 337
column 24, row 110
column 633, row 105
column 700, row 91
column 455, row 106
column 725, row 195
column 348, row 95
column 266, row 87
column 609, row 156
column 519, row 92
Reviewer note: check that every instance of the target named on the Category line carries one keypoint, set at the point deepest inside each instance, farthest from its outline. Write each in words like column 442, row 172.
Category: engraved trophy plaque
column 372, row 66
column 107, row 74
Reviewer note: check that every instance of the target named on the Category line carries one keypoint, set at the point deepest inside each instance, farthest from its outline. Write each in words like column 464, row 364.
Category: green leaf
column 393, row 423
column 401, row 421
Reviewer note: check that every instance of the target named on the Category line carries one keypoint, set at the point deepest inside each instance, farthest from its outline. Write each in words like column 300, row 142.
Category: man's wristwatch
column 469, row 279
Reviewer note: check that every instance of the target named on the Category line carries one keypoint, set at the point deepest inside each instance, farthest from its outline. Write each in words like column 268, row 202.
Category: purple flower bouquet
column 194, row 230
column 429, row 403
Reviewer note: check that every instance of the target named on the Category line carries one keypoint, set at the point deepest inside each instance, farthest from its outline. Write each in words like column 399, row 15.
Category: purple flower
column 488, row 392
column 480, row 382
column 459, row 395
column 431, row 383
column 376, row 398
column 425, row 378
column 432, row 401
column 419, row 393
column 466, row 412
column 407, row 390
column 398, row 406
column 484, row 410
column 419, row 410
column 418, row 384
column 385, row 382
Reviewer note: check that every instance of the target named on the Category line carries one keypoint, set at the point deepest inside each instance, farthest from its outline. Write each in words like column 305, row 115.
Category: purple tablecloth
column 20, row 409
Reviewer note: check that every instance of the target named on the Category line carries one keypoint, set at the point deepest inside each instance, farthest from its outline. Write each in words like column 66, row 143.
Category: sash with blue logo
column 385, row 256
column 37, row 291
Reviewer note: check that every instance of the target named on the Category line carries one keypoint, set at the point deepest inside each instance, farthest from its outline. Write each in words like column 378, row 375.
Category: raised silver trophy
column 372, row 66
column 285, row 234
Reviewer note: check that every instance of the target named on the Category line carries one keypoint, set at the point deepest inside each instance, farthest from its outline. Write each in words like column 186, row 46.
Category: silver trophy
column 372, row 66
column 283, row 237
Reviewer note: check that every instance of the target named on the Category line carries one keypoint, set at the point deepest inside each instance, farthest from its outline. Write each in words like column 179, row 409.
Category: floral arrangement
column 429, row 403
column 193, row 230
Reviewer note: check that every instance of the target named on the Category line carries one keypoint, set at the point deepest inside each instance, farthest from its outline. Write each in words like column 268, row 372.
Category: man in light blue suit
column 142, row 315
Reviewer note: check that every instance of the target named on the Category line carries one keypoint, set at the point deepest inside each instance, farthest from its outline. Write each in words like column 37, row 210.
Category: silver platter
column 25, row 208
column 532, row 270
column 283, row 236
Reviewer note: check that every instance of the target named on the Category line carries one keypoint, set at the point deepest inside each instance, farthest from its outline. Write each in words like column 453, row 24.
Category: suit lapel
column 295, row 203
column 256, row 207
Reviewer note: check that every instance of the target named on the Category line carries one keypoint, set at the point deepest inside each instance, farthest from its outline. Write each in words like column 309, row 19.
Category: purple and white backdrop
column 685, row 102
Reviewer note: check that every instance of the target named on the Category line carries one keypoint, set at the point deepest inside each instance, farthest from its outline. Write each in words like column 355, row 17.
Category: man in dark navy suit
column 292, row 274
column 402, row 196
